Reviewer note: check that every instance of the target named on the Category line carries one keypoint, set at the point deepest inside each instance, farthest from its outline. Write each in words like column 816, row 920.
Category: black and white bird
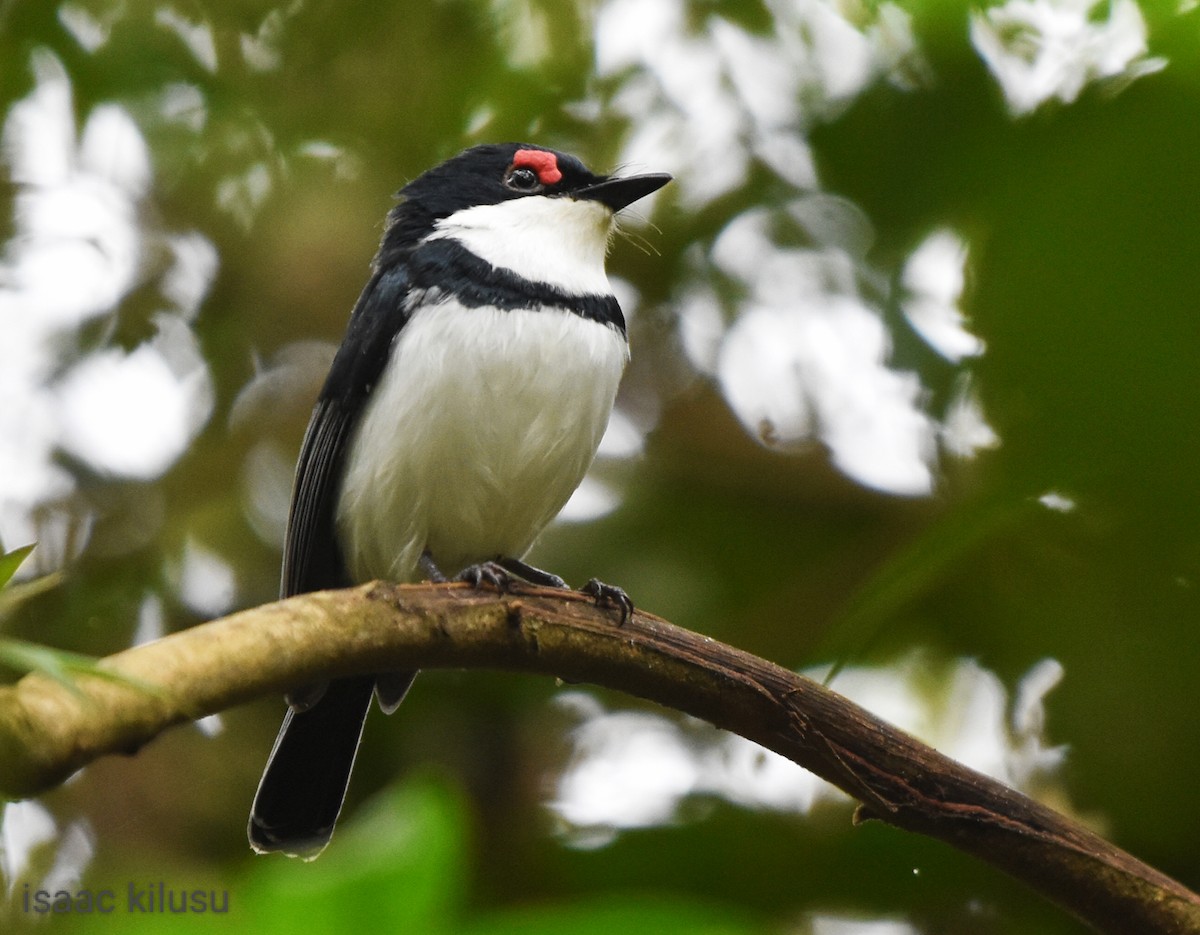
column 466, row 402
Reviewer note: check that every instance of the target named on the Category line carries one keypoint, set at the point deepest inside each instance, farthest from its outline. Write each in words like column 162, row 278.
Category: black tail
column 304, row 784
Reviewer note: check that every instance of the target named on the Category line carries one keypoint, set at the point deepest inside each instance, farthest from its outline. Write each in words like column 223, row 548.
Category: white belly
column 482, row 426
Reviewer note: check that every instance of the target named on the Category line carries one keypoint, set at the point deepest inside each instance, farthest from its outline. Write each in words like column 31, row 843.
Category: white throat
column 557, row 241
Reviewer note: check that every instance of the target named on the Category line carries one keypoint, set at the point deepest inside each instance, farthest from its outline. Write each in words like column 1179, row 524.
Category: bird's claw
column 491, row 574
column 609, row 595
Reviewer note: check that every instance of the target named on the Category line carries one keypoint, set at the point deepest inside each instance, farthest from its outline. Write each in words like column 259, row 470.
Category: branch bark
column 48, row 731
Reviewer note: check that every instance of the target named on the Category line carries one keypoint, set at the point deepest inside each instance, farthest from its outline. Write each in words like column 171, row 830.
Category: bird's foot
column 492, row 574
column 609, row 595
column 500, row 573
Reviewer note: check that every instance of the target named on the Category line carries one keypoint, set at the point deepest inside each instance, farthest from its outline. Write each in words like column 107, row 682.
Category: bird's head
column 536, row 211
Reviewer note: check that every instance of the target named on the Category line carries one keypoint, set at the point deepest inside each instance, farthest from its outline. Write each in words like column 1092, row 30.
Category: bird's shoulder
column 381, row 312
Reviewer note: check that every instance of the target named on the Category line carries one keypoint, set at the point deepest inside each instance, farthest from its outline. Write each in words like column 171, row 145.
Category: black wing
column 304, row 783
column 312, row 559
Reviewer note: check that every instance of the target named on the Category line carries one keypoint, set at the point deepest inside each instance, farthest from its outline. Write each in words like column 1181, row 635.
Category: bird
column 466, row 401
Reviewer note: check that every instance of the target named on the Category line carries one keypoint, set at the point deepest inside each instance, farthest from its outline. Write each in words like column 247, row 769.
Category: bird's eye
column 523, row 179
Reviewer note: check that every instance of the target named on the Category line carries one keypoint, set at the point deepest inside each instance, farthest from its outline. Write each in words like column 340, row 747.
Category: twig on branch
column 47, row 732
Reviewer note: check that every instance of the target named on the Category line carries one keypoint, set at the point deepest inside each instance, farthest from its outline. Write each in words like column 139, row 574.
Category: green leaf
column 14, row 595
column 61, row 665
column 11, row 561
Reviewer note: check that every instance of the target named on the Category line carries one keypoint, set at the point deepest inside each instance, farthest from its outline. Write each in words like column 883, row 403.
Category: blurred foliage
column 402, row 869
column 1082, row 223
column 19, row 656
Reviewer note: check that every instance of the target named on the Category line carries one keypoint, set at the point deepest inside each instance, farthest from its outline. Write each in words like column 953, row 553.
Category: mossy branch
column 48, row 731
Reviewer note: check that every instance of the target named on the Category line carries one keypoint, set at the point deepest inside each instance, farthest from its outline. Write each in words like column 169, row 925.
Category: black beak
column 619, row 193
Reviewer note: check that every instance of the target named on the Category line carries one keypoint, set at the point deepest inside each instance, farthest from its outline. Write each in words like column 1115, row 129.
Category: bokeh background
column 914, row 394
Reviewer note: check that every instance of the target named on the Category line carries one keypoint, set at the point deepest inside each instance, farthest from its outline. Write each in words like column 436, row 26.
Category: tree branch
column 47, row 731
